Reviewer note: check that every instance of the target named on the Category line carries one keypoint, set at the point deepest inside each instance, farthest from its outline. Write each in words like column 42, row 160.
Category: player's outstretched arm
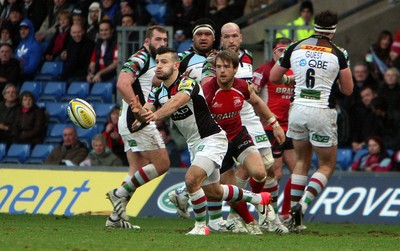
column 346, row 81
column 170, row 107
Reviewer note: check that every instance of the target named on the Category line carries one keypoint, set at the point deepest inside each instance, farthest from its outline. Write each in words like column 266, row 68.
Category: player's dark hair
column 228, row 56
column 163, row 50
column 326, row 18
column 281, row 40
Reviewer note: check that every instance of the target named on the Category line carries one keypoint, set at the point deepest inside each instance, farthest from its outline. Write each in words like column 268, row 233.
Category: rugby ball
column 81, row 113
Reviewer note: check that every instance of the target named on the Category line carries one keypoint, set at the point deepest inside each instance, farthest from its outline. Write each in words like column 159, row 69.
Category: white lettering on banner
column 360, row 192
column 328, row 202
column 334, row 199
column 373, row 203
column 393, row 201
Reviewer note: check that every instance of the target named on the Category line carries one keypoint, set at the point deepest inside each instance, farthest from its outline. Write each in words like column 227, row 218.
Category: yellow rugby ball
column 81, row 113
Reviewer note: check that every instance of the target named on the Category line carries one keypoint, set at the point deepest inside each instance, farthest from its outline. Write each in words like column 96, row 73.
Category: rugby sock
column 234, row 193
column 140, row 177
column 199, row 204
column 257, row 185
column 297, row 188
column 286, row 198
column 214, row 210
column 242, row 210
column 317, row 183
column 271, row 186
column 241, row 183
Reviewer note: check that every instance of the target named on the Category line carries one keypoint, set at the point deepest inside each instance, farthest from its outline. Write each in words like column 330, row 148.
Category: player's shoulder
column 140, row 55
column 186, row 82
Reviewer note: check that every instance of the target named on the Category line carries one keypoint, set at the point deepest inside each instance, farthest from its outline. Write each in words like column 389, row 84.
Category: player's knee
column 268, row 161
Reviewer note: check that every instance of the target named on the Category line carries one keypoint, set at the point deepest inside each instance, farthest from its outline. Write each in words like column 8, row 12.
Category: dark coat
column 29, row 127
column 75, row 153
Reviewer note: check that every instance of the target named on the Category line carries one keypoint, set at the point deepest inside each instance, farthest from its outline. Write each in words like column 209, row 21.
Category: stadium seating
column 76, row 90
column 185, row 157
column 40, row 153
column 3, row 151
column 101, row 92
column 158, row 12
column 55, row 133
column 359, row 153
column 50, row 70
column 86, row 135
column 17, row 153
column 344, row 158
column 57, row 112
column 35, row 87
column 102, row 111
column 53, row 91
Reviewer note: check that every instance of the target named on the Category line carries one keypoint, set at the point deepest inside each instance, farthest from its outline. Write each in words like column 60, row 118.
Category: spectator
column 29, row 51
column 78, row 17
column 111, row 134
column 127, row 7
column 10, row 70
column 111, row 11
column 133, row 44
column 13, row 22
column 5, row 12
column 182, row 18
column 61, row 37
column 94, row 18
column 104, row 60
column 378, row 57
column 70, row 152
column 395, row 50
column 5, row 35
column 390, row 88
column 376, row 160
column 358, row 117
column 35, row 10
column 101, row 155
column 221, row 12
column 172, row 147
column 48, row 27
column 305, row 18
column 77, row 55
column 384, row 123
column 8, row 108
column 29, row 125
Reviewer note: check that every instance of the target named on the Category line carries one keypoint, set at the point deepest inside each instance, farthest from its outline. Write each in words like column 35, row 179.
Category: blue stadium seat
column 101, row 92
column 50, row 70
column 53, row 91
column 76, row 90
column 102, row 111
column 18, row 153
column 3, row 151
column 344, row 158
column 57, row 112
column 314, row 161
column 40, row 153
column 55, row 133
column 185, row 157
column 86, row 135
column 157, row 11
column 35, row 87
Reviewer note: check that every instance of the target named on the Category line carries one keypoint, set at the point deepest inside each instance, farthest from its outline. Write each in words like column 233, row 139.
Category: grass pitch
column 87, row 232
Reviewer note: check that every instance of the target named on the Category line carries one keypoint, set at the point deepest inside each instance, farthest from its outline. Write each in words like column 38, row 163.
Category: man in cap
column 312, row 116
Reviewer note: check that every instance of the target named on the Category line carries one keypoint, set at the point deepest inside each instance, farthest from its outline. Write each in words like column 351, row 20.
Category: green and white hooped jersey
column 316, row 63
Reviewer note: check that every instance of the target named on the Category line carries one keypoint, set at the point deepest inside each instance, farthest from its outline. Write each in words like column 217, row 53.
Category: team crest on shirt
column 237, row 102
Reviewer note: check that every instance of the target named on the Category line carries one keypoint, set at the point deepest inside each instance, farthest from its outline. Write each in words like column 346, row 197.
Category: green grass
column 43, row 232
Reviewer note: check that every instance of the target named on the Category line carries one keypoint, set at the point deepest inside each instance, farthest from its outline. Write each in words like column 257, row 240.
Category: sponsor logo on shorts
column 320, row 138
column 132, row 143
column 200, row 148
column 261, row 138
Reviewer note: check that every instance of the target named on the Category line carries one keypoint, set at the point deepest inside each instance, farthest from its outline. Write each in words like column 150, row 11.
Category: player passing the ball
column 182, row 99
column 316, row 64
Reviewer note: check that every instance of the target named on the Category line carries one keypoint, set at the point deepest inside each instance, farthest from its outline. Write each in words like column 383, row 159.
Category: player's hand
column 279, row 135
column 135, row 104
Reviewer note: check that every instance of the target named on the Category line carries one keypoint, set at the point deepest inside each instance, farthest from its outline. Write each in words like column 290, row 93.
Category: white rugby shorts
column 146, row 139
column 318, row 125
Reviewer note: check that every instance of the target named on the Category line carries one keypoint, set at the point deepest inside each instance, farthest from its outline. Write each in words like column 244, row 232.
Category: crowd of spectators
column 82, row 35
